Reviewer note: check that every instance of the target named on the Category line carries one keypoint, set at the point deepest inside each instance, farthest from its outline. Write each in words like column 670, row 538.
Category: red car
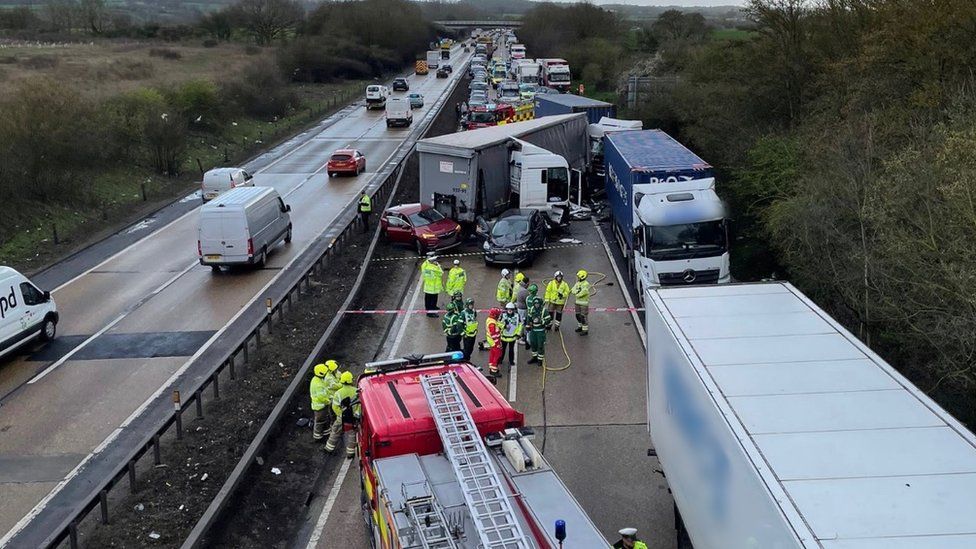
column 420, row 226
column 349, row 161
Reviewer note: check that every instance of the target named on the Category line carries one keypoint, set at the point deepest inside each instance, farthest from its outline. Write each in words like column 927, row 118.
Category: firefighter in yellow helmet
column 557, row 292
column 321, row 389
column 581, row 293
column 345, row 406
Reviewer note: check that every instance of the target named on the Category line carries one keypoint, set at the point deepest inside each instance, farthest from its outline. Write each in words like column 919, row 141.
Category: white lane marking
column 329, row 504
column 402, row 330
column 513, row 374
column 110, row 325
column 622, row 285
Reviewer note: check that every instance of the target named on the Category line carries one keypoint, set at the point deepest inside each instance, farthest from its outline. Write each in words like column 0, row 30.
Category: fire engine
column 446, row 462
column 492, row 114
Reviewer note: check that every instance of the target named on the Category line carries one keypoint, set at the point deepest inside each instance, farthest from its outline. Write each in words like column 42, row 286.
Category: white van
column 242, row 226
column 376, row 96
column 219, row 180
column 398, row 112
column 25, row 311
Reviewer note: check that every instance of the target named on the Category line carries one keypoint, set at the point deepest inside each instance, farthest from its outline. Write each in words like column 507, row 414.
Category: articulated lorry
column 555, row 74
column 777, row 428
column 548, row 104
column 668, row 220
column 596, row 133
column 446, row 462
column 483, row 172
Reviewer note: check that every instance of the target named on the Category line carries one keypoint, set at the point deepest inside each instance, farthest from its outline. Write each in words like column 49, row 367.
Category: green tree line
column 846, row 134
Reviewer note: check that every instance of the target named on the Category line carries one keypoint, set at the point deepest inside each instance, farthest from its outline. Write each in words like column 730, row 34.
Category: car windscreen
column 341, row 157
column 425, row 217
column 510, row 227
column 481, row 117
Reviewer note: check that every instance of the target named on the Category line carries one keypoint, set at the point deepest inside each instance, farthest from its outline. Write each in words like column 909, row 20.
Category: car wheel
column 421, row 248
column 288, row 235
column 49, row 329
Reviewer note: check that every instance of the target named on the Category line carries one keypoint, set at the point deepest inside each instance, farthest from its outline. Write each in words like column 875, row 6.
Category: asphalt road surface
column 590, row 419
column 131, row 321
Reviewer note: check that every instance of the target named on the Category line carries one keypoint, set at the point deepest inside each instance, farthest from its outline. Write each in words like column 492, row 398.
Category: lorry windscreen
column 559, row 77
column 703, row 239
column 557, row 184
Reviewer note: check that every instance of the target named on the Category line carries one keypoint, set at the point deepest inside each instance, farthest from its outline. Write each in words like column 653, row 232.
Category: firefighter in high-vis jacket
column 581, row 294
column 503, row 292
column 321, row 389
column 345, row 406
column 557, row 292
column 470, row 317
column 456, row 279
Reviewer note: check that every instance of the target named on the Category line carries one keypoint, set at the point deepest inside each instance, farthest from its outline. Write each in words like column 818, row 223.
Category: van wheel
column 215, row 268
column 264, row 257
column 49, row 329
column 288, row 235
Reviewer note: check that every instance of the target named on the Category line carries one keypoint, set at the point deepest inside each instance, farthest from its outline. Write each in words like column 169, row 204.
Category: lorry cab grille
column 691, row 276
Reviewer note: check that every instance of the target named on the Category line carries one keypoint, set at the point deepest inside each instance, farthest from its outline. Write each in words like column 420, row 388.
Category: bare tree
column 783, row 22
column 60, row 14
column 93, row 15
column 269, row 20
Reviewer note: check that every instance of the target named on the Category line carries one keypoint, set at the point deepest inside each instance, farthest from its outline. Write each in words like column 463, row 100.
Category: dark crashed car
column 516, row 237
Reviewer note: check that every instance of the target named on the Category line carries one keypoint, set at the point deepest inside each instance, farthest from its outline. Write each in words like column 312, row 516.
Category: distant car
column 543, row 90
column 478, row 85
column 527, row 91
column 421, row 227
column 447, row 67
column 442, row 73
column 220, row 180
column 516, row 237
column 477, row 101
column 416, row 100
column 349, row 161
column 400, row 84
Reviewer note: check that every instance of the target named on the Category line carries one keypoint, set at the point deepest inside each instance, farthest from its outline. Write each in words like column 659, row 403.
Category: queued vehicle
column 508, row 91
column 447, row 67
column 220, row 180
column 516, row 237
column 27, row 313
column 376, row 96
column 400, row 84
column 443, row 73
column 348, row 161
column 420, row 227
column 527, row 91
column 416, row 100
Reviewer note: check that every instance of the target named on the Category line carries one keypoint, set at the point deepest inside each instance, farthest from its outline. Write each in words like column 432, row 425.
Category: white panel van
column 242, row 226
column 398, row 112
column 26, row 312
column 220, row 180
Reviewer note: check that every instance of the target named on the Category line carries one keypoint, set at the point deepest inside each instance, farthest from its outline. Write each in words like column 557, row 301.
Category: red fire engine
column 446, row 462
column 489, row 115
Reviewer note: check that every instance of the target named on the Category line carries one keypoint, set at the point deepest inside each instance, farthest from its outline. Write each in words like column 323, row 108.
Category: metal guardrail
column 257, row 319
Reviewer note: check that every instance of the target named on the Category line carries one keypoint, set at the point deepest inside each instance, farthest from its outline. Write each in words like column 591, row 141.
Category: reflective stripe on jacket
column 557, row 292
column 365, row 204
column 511, row 327
column 581, row 290
column 318, row 389
column 433, row 277
column 342, row 393
column 470, row 323
column 504, row 292
column 492, row 331
column 453, row 324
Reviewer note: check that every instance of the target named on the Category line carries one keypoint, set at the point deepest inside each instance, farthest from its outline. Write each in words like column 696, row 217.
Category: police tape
column 479, row 253
column 441, row 311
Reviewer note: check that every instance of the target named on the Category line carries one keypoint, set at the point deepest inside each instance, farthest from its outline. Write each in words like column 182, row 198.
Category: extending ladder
column 493, row 517
column 428, row 518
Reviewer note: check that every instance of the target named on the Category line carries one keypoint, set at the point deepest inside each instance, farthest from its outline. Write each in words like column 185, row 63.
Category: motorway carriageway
column 591, row 421
column 133, row 322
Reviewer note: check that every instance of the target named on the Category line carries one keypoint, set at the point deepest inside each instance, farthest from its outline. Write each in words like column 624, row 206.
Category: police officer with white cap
column 628, row 540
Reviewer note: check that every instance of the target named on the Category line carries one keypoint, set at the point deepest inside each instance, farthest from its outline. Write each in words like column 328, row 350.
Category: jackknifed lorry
column 670, row 224
column 481, row 173
column 777, row 428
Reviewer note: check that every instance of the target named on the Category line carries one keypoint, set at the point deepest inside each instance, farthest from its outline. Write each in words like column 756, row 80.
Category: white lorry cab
column 26, row 312
column 242, row 227
column 398, row 112
column 376, row 96
column 220, row 180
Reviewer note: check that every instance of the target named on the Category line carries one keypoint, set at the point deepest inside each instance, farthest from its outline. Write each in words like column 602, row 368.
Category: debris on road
column 276, row 470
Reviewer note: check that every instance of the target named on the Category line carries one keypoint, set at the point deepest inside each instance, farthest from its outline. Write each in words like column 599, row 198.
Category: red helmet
column 494, row 312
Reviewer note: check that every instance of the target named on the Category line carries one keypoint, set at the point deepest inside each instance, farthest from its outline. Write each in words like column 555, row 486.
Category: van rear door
column 223, row 237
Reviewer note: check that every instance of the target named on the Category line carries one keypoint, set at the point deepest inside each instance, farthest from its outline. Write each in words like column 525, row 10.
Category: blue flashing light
column 457, row 355
column 561, row 530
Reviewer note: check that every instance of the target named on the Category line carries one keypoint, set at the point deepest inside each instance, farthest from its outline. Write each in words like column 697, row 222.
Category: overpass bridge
column 473, row 24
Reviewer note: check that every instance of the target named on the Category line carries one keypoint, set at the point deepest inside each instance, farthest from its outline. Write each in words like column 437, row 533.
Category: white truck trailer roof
column 778, row 428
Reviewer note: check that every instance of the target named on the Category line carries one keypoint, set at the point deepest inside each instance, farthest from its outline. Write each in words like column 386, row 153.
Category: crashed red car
column 421, row 227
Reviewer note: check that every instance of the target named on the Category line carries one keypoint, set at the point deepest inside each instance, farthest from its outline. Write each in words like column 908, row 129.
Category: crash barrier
column 197, row 537
column 57, row 518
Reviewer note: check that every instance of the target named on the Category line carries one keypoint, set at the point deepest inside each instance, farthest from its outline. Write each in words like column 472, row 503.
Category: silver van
column 26, row 312
column 242, row 226
column 220, row 180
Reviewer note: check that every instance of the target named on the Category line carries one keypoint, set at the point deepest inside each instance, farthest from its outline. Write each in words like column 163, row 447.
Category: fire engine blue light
column 458, row 355
column 561, row 530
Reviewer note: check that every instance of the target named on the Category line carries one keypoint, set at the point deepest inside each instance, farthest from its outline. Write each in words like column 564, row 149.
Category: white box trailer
column 777, row 428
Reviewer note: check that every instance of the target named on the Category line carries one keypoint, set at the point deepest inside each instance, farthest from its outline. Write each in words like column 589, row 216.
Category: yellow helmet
column 581, row 274
column 320, row 370
column 519, row 277
column 345, row 378
column 332, row 365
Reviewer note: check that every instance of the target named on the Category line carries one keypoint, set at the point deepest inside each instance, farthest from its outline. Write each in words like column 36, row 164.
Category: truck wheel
column 288, row 235
column 49, row 329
